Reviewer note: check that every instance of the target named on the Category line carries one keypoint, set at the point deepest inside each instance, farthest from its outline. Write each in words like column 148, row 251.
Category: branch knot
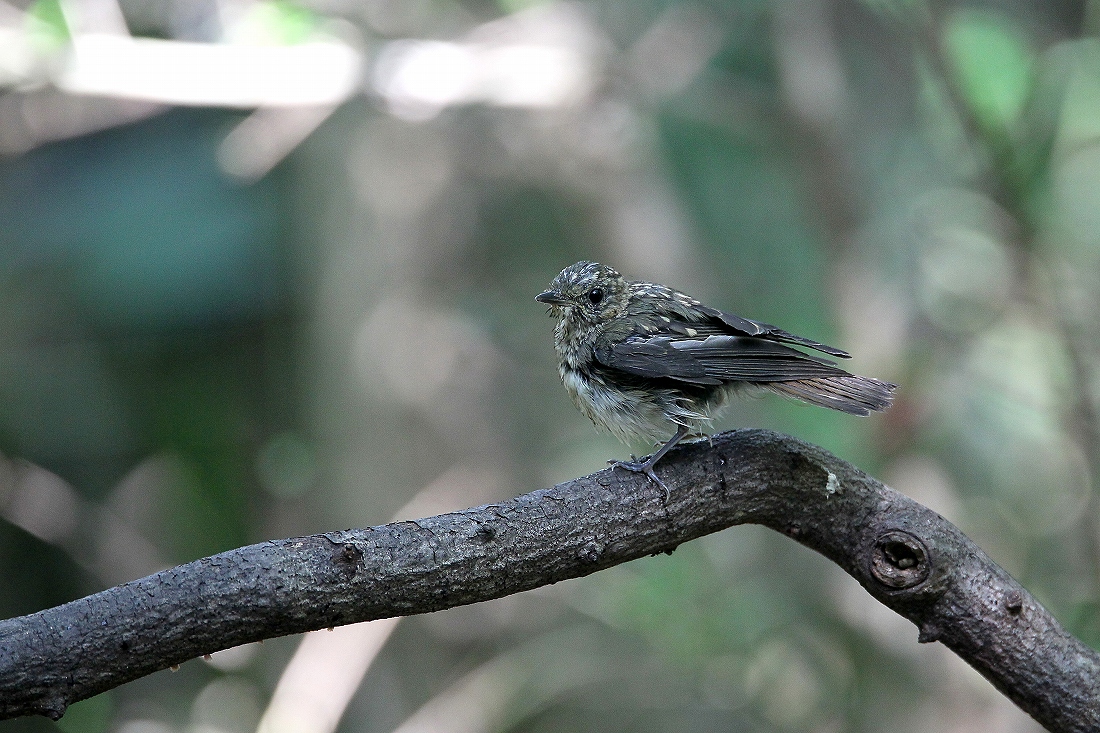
column 900, row 560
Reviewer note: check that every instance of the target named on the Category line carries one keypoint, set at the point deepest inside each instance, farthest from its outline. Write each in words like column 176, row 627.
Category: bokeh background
column 267, row 269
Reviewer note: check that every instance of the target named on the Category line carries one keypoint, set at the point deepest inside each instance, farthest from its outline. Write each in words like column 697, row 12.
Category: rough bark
column 907, row 556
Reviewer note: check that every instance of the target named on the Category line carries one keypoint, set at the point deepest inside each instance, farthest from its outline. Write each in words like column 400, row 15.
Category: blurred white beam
column 10, row 16
column 30, row 119
column 420, row 78
column 94, row 16
column 325, row 672
column 810, row 66
column 515, row 684
column 321, row 73
column 544, row 57
column 328, row 666
column 675, row 49
column 266, row 136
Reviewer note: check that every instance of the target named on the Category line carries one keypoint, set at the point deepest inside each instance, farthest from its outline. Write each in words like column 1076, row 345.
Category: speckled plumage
column 640, row 359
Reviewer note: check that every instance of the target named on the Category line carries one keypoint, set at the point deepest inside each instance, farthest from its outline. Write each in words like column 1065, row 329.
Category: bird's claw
column 646, row 468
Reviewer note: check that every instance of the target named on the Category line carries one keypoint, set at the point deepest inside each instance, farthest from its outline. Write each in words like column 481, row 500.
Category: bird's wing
column 655, row 358
column 713, row 360
column 746, row 327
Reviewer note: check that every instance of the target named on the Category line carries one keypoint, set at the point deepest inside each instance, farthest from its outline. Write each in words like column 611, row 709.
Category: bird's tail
column 850, row 393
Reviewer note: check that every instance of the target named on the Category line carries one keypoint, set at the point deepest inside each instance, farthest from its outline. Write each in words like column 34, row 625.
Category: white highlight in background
column 212, row 74
column 420, row 78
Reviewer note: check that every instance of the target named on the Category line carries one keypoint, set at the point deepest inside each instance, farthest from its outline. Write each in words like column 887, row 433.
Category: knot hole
column 900, row 560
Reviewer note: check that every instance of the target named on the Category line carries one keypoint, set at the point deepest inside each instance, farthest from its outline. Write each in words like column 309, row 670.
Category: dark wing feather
column 739, row 358
column 763, row 330
column 655, row 358
column 713, row 360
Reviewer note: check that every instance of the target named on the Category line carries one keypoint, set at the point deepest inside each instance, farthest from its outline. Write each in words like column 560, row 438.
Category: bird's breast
column 597, row 400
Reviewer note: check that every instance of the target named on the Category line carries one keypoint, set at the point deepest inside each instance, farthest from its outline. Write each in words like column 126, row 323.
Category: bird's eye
column 595, row 295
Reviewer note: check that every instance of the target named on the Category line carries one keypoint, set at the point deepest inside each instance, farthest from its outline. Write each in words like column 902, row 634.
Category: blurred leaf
column 994, row 64
column 515, row 6
column 279, row 23
column 46, row 26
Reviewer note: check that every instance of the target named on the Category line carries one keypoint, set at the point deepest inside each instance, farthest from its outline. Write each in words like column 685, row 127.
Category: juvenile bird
column 640, row 359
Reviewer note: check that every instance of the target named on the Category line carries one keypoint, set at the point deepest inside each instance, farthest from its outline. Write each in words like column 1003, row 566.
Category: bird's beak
column 551, row 297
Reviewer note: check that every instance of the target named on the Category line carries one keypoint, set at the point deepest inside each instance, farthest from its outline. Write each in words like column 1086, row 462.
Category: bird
column 640, row 359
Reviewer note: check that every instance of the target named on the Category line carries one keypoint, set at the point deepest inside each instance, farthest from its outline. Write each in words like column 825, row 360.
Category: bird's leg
column 647, row 466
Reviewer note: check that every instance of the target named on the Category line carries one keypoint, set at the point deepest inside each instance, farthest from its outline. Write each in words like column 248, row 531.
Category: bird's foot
column 645, row 467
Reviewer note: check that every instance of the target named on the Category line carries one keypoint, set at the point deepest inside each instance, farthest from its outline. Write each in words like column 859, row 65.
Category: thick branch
column 905, row 555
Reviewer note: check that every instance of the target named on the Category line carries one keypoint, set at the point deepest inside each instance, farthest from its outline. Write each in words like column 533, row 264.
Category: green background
column 191, row 362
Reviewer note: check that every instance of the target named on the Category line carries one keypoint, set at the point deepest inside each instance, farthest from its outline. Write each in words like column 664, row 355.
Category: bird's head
column 587, row 292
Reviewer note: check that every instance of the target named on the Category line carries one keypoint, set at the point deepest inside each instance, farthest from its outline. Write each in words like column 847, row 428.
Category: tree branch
column 907, row 556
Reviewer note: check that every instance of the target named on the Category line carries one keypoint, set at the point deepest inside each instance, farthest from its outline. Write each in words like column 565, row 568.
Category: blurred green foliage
column 994, row 65
column 190, row 362
column 46, row 25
